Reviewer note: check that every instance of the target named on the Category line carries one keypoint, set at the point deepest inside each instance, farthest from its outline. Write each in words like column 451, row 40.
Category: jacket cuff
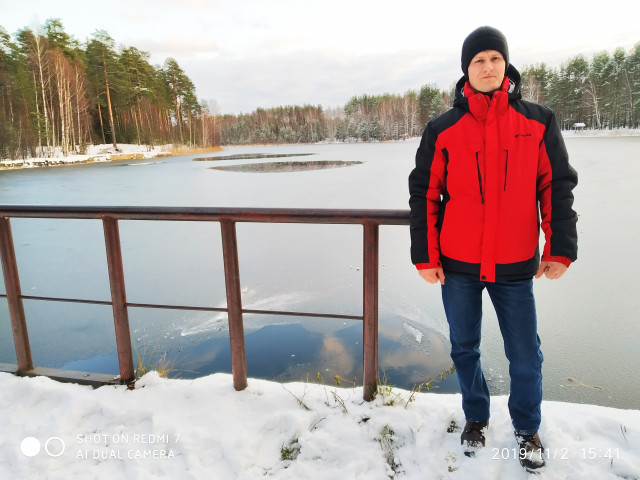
column 556, row 258
column 424, row 266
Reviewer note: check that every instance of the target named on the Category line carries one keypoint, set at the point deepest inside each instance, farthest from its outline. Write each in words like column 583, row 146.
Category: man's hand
column 432, row 275
column 551, row 270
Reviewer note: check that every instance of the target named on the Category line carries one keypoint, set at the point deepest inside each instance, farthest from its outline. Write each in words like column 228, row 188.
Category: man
column 490, row 172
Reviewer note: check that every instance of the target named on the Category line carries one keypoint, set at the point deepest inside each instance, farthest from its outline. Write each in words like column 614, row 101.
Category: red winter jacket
column 490, row 172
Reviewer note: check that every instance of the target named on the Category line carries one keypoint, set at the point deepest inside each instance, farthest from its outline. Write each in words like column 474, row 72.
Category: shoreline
column 105, row 153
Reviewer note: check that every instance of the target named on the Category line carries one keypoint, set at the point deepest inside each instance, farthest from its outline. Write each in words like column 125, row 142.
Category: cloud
column 331, row 77
column 321, row 77
column 175, row 45
column 183, row 4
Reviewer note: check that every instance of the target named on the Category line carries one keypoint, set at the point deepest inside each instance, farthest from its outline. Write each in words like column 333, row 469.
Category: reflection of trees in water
column 276, row 167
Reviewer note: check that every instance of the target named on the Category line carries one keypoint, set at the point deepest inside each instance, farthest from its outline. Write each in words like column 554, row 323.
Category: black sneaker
column 531, row 452
column 473, row 437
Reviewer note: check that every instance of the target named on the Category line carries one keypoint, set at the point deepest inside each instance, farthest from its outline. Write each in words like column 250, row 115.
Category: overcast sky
column 246, row 54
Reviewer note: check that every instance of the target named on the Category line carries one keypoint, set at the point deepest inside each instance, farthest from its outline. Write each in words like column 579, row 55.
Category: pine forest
column 58, row 94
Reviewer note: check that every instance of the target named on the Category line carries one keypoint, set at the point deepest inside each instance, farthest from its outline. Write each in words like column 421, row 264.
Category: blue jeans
column 515, row 307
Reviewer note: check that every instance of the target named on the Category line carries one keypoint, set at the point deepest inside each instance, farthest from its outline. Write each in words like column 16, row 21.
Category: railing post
column 234, row 303
column 370, row 310
column 14, row 297
column 118, row 298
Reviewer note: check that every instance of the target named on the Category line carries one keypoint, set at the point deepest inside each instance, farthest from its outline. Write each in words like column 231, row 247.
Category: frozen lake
column 588, row 320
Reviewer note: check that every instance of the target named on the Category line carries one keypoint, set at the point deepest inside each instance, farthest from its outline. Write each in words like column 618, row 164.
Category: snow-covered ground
column 203, row 428
column 95, row 153
column 616, row 132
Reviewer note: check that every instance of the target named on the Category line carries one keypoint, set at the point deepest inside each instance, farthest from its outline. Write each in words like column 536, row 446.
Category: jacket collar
column 481, row 104
column 513, row 91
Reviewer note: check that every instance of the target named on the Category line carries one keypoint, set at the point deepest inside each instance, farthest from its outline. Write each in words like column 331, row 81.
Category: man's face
column 486, row 71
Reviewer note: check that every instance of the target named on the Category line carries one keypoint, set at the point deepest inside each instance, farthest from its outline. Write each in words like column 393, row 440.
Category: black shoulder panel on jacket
column 445, row 120
column 532, row 111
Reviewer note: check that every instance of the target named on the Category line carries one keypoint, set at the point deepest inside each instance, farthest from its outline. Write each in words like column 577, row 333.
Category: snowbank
column 204, row 429
column 616, row 132
column 95, row 153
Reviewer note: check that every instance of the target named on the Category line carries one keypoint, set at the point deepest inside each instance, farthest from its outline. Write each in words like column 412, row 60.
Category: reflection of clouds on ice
column 417, row 314
column 207, row 326
column 334, row 350
column 417, row 349
column 417, row 334
column 194, row 359
column 407, row 332
column 414, row 336
column 251, row 300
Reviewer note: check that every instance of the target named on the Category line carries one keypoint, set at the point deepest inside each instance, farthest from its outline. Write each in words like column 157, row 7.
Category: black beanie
column 481, row 39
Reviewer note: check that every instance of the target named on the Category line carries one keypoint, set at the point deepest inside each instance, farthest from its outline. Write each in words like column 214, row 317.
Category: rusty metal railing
column 227, row 217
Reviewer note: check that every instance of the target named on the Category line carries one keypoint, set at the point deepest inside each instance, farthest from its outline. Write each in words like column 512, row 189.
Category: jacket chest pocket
column 465, row 170
column 520, row 161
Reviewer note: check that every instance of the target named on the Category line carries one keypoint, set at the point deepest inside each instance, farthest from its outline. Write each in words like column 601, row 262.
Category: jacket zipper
column 506, row 164
column 479, row 178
